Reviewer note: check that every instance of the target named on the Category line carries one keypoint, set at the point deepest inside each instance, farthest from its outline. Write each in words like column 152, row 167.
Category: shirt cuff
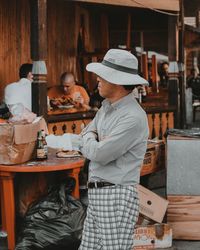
column 90, row 135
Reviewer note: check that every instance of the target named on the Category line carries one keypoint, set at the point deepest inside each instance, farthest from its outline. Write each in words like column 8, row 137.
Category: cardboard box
column 152, row 205
column 154, row 158
column 18, row 141
column 152, row 236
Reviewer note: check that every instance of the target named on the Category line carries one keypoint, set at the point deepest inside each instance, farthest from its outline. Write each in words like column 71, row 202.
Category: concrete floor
column 177, row 244
column 186, row 245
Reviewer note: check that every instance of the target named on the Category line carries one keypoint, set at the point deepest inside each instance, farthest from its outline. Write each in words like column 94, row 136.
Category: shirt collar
column 24, row 80
column 121, row 102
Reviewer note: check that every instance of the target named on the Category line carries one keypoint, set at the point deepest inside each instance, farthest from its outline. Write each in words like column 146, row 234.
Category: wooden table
column 7, row 174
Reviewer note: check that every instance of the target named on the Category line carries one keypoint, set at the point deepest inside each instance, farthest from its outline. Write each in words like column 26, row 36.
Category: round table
column 7, row 174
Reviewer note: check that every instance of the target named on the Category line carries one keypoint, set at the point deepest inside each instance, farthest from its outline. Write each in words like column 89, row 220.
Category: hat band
column 119, row 68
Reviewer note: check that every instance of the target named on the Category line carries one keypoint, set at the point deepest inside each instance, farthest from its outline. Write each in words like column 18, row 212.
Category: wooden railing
column 159, row 119
column 69, row 123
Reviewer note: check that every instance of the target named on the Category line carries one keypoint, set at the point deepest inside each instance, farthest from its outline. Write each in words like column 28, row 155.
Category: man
column 21, row 92
column 115, row 143
column 193, row 82
column 69, row 89
column 164, row 74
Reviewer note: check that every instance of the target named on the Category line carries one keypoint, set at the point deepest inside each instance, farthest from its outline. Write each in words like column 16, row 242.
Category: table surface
column 53, row 163
column 66, row 111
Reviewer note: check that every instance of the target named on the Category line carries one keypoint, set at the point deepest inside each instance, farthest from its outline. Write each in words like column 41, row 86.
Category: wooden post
column 173, row 84
column 142, row 41
column 145, row 66
column 173, row 99
column 128, row 39
column 154, row 74
column 38, row 55
column 104, row 31
column 198, row 18
column 173, row 38
column 182, row 81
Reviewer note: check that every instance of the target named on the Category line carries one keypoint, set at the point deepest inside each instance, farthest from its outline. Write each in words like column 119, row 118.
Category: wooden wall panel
column 63, row 26
column 62, row 40
column 15, row 40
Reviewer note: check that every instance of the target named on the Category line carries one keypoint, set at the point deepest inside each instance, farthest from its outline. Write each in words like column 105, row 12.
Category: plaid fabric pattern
column 111, row 217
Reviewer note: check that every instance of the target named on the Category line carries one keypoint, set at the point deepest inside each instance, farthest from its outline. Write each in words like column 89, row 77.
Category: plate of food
column 68, row 154
column 62, row 102
column 65, row 106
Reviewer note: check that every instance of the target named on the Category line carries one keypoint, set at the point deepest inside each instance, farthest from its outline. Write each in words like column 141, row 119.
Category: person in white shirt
column 21, row 91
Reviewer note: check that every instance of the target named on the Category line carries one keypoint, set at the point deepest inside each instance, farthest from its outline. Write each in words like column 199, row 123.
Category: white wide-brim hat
column 118, row 67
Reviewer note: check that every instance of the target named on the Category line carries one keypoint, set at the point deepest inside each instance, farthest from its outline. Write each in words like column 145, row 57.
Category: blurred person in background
column 21, row 91
column 68, row 90
column 193, row 82
column 164, row 74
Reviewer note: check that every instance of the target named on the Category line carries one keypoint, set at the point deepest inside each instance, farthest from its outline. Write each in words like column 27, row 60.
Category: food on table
column 68, row 154
column 61, row 102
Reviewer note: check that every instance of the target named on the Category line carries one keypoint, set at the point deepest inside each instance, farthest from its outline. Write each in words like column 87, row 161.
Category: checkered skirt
column 111, row 216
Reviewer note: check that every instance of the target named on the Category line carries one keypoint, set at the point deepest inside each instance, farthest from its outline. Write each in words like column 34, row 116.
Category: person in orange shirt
column 68, row 90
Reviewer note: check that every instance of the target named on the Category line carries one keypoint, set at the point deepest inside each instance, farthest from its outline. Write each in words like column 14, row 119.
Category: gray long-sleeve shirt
column 117, row 155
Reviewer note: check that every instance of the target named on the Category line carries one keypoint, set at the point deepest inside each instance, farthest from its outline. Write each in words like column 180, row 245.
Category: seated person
column 20, row 91
column 193, row 82
column 68, row 93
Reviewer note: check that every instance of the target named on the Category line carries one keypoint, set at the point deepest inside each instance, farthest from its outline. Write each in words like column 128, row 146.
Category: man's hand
column 79, row 99
column 90, row 134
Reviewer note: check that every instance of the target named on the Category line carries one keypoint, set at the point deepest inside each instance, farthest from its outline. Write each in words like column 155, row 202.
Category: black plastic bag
column 55, row 222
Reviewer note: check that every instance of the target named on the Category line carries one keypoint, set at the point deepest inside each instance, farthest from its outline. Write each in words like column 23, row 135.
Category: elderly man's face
column 68, row 84
column 105, row 88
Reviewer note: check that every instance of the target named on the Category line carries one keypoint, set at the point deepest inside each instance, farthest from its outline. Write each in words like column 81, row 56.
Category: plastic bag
column 66, row 141
column 193, row 133
column 21, row 114
column 55, row 222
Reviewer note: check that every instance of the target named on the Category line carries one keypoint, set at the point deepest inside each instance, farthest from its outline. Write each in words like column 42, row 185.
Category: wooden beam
column 182, row 82
column 104, row 31
column 128, row 38
column 145, row 66
column 39, row 89
column 173, row 38
column 173, row 83
column 38, row 55
column 38, row 29
column 171, row 5
column 154, row 74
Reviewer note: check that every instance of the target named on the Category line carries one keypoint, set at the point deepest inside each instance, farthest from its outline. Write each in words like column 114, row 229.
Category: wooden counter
column 62, row 121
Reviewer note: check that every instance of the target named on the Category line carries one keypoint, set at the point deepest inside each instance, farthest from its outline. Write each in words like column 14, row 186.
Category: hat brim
column 114, row 76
